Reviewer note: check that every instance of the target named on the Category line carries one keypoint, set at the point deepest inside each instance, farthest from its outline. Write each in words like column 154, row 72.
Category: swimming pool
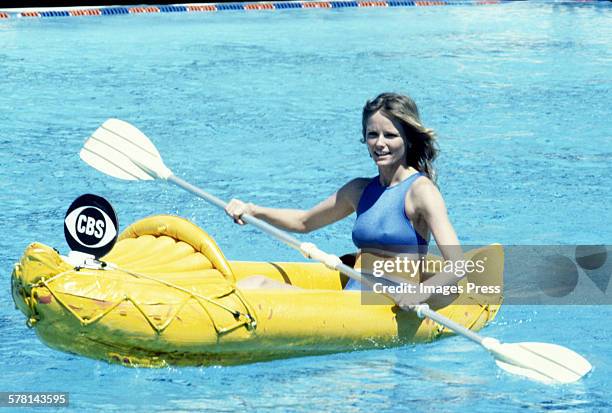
column 266, row 106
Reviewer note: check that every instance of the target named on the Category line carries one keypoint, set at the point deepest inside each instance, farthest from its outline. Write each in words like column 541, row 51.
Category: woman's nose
column 380, row 140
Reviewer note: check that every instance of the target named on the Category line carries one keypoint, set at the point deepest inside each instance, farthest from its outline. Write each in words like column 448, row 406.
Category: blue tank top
column 382, row 223
column 381, row 219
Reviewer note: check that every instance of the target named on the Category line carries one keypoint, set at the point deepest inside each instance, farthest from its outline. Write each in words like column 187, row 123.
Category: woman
column 397, row 211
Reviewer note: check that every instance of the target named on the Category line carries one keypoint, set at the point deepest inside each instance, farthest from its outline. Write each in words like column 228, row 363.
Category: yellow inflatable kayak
column 168, row 296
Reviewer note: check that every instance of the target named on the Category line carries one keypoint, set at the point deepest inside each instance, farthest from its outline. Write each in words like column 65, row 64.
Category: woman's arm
column 429, row 206
column 334, row 208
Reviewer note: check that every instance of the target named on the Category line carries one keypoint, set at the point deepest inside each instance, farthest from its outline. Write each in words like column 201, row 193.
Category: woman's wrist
column 253, row 209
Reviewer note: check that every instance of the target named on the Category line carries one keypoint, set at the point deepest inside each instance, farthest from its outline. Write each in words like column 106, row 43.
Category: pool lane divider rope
column 275, row 5
column 213, row 7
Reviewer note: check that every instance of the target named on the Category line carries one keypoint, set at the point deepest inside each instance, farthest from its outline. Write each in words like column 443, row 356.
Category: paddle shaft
column 450, row 324
column 298, row 245
column 264, row 226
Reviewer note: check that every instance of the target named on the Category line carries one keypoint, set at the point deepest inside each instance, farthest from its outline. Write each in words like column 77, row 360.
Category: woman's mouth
column 381, row 154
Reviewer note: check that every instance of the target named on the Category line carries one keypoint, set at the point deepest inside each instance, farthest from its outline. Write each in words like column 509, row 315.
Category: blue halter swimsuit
column 382, row 223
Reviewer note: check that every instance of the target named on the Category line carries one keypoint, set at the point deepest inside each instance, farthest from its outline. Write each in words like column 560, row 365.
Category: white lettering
column 89, row 229
column 99, row 229
column 80, row 222
column 377, row 264
column 483, row 289
column 403, row 288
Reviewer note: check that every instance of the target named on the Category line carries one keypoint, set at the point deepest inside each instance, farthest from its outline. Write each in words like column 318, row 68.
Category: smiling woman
column 397, row 116
column 397, row 210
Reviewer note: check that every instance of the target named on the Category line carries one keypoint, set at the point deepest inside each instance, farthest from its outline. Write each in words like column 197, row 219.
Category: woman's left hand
column 407, row 301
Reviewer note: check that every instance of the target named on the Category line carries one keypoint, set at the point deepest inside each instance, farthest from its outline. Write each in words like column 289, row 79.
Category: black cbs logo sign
column 91, row 225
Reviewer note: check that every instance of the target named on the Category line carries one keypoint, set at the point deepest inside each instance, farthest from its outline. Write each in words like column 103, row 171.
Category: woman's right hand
column 236, row 208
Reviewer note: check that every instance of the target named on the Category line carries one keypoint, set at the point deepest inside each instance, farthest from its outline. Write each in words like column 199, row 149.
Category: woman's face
column 385, row 140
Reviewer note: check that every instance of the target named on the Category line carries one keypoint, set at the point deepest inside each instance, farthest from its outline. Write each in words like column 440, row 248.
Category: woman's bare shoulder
column 353, row 189
column 423, row 185
column 359, row 182
column 424, row 192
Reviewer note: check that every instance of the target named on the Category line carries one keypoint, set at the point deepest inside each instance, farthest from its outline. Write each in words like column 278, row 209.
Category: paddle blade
column 548, row 363
column 121, row 150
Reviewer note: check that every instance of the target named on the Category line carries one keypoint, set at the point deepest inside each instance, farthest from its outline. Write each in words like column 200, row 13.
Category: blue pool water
column 265, row 106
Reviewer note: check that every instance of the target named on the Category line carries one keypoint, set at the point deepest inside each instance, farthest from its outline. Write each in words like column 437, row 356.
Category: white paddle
column 119, row 149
